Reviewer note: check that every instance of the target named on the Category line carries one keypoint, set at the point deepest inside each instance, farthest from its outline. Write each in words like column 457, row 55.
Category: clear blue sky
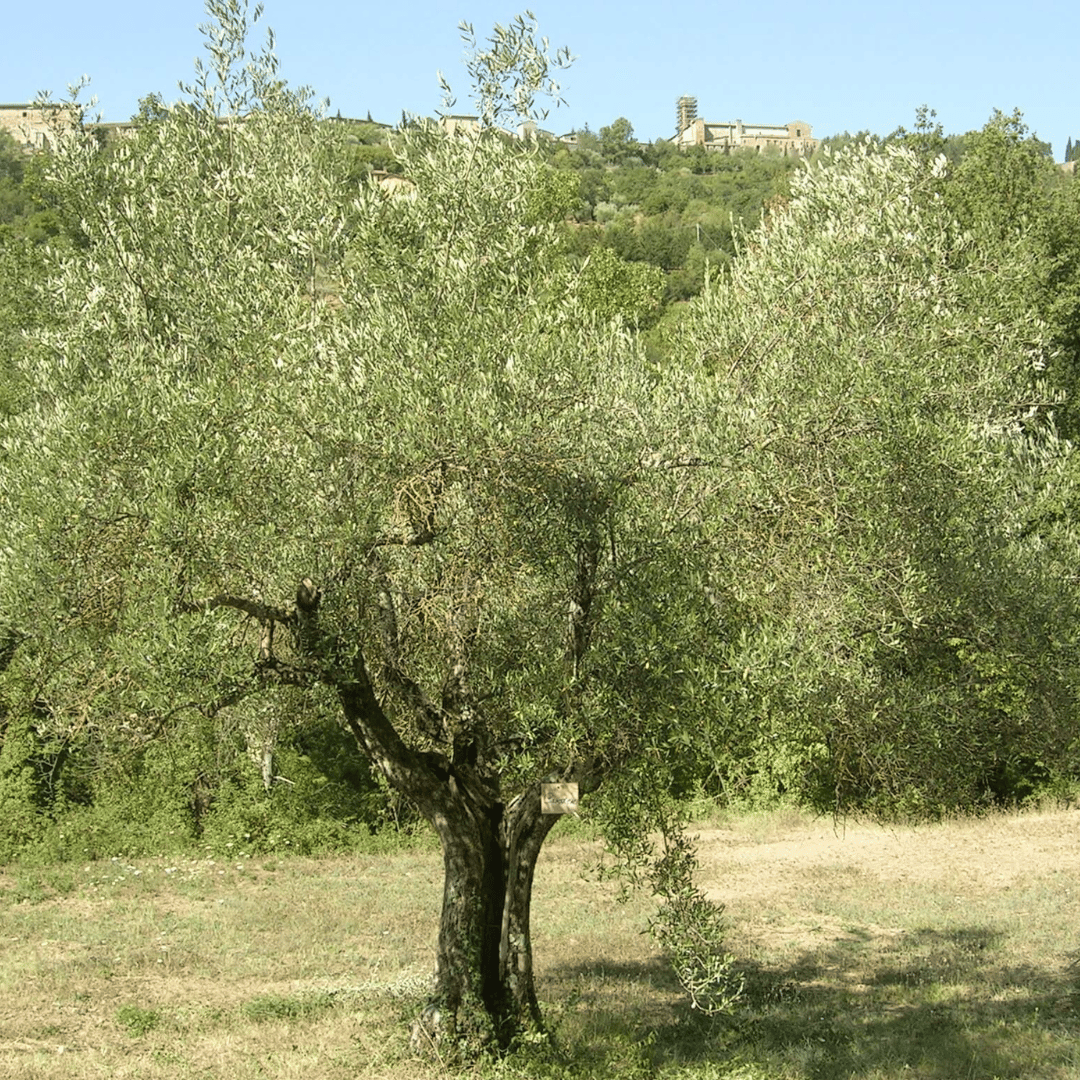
column 838, row 65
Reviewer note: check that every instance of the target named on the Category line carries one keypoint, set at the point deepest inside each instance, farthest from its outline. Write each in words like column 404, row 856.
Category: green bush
column 197, row 788
column 20, row 810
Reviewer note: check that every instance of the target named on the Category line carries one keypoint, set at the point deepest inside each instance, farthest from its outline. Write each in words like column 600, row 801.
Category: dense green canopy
column 286, row 441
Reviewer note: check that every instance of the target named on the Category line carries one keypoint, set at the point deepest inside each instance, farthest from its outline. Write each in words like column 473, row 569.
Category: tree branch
column 10, row 640
column 255, row 608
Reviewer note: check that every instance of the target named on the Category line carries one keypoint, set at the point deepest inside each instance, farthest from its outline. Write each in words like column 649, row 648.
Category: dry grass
column 947, row 951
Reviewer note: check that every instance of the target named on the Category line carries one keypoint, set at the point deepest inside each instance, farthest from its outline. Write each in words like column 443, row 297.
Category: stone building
column 453, row 124
column 793, row 138
column 35, row 127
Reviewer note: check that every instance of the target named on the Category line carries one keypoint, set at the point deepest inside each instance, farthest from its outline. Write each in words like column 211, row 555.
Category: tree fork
column 484, row 988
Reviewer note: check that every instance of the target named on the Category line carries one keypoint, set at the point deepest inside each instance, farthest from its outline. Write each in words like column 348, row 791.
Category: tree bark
column 485, row 993
column 484, row 990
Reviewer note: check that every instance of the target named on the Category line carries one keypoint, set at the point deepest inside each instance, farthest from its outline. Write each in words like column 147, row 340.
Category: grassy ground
column 950, row 951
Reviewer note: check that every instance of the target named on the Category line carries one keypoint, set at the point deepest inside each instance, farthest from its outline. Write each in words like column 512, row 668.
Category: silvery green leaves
column 509, row 72
column 690, row 928
column 255, row 372
column 229, row 86
column 875, row 371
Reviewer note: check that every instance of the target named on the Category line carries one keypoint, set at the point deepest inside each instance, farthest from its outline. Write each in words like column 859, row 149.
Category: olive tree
column 289, row 430
column 891, row 529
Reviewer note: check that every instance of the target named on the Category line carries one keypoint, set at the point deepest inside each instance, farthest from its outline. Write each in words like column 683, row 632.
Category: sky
column 838, row 66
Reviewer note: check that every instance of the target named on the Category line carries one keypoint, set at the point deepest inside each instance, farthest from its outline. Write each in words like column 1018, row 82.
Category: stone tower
column 685, row 113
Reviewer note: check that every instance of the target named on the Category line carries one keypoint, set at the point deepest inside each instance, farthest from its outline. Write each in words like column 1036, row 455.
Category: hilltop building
column 452, row 124
column 685, row 112
column 691, row 130
column 35, row 127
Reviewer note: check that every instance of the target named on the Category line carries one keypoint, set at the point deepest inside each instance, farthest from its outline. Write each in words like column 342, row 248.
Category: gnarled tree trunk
column 484, row 992
column 484, row 989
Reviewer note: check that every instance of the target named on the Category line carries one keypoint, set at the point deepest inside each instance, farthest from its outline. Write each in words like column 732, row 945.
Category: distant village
column 36, row 126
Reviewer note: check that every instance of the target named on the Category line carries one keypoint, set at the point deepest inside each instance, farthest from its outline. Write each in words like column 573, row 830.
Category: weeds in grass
column 270, row 1007
column 944, row 952
column 137, row 1021
column 34, row 885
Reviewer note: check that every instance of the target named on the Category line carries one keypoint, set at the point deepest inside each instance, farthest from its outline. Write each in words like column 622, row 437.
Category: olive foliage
column 904, row 608
column 291, row 431
column 285, row 434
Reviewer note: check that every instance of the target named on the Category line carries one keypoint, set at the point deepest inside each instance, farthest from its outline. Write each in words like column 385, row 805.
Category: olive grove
column 283, row 432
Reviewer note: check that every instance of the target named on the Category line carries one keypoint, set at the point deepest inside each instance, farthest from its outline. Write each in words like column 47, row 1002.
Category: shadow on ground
column 927, row 1003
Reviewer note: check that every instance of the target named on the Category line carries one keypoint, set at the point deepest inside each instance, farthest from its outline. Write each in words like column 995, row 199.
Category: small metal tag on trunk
column 558, row 798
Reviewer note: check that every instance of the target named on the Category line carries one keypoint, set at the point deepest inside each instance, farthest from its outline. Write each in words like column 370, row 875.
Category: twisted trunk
column 484, row 988
column 484, row 991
